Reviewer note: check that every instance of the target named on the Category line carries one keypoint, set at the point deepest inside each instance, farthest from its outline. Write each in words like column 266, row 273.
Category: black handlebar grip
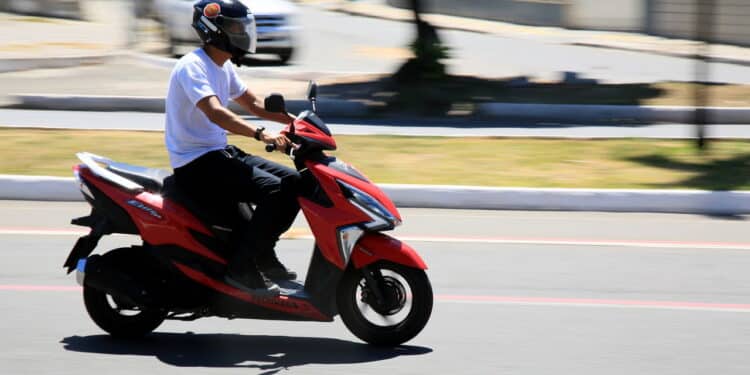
column 272, row 147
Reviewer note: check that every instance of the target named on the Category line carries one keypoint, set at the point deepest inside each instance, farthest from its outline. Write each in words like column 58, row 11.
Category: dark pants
column 217, row 181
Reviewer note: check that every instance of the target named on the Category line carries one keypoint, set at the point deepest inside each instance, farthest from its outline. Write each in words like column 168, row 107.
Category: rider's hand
column 281, row 141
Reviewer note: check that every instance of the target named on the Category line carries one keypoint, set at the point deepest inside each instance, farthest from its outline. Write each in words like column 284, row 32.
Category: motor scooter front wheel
column 394, row 313
column 118, row 318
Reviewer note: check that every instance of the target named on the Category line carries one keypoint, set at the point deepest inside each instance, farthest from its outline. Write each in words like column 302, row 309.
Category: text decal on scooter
column 143, row 207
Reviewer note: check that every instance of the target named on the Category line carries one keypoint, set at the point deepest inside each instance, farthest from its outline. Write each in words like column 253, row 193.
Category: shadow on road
column 268, row 353
column 459, row 95
column 706, row 174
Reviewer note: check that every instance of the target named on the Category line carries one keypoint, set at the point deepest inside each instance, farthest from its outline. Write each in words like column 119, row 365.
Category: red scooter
column 376, row 283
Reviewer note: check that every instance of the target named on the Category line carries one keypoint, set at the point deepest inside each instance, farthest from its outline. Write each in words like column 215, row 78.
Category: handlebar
column 271, row 147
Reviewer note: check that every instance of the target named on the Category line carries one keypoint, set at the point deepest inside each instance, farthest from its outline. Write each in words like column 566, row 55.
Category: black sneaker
column 254, row 283
column 272, row 268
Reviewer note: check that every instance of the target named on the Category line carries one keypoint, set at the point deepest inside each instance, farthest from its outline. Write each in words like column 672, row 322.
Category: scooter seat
column 152, row 179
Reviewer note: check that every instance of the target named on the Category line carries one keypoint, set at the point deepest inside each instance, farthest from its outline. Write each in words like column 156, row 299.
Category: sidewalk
column 604, row 39
column 37, row 42
column 46, row 38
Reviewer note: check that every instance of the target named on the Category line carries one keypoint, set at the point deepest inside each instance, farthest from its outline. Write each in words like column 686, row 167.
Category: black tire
column 100, row 307
column 285, row 56
column 349, row 300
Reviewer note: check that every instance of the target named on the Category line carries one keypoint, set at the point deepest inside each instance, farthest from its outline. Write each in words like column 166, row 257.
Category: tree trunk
column 428, row 51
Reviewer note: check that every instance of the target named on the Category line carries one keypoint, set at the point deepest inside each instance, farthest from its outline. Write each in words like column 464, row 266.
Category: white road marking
column 303, row 233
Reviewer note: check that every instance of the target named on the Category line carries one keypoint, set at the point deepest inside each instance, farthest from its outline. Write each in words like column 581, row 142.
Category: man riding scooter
column 206, row 167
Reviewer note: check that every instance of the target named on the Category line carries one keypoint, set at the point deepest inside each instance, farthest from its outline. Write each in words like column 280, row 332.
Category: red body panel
column 281, row 303
column 325, row 221
column 331, row 174
column 304, row 129
column 373, row 247
column 172, row 228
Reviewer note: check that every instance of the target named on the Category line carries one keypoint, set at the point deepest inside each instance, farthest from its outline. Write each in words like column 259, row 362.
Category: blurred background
column 645, row 69
column 592, row 94
column 501, row 43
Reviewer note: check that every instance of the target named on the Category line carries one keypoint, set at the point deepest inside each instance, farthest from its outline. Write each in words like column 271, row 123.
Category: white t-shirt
column 188, row 132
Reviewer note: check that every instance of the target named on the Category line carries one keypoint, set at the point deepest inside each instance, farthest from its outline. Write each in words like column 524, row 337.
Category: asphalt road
column 339, row 42
column 516, row 292
column 415, row 127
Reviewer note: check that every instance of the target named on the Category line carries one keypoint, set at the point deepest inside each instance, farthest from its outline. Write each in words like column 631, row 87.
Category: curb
column 609, row 113
column 39, row 188
column 548, row 199
column 663, row 52
column 45, row 188
column 328, row 107
column 570, row 113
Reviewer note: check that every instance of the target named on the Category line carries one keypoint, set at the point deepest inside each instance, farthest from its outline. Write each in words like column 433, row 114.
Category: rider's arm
column 250, row 102
column 231, row 122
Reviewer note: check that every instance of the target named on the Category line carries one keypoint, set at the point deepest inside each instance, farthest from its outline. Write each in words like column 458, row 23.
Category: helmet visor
column 241, row 32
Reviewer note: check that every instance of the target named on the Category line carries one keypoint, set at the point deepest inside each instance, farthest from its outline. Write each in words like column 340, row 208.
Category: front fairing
column 339, row 202
column 342, row 173
column 332, row 218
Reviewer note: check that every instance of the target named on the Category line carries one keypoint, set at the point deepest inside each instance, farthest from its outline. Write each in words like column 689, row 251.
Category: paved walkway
column 604, row 39
column 25, row 37
column 421, row 127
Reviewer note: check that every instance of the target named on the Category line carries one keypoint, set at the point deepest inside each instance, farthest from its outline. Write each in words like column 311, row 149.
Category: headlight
column 382, row 219
column 348, row 237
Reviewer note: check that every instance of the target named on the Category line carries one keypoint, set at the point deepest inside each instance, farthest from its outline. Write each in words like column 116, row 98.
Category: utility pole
column 704, row 24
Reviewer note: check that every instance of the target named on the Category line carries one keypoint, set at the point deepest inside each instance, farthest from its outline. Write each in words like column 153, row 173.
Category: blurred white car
column 272, row 18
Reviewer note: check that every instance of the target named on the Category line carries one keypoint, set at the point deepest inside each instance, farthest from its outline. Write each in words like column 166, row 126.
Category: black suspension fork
column 375, row 284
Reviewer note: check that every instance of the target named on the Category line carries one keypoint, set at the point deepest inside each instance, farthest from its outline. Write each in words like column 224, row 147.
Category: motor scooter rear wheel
column 116, row 315
column 398, row 316
column 118, row 318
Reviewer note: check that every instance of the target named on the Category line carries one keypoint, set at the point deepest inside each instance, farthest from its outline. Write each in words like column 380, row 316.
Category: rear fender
column 100, row 226
column 373, row 247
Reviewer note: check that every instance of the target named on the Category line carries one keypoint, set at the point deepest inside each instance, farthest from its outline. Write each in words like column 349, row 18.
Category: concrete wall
column 669, row 18
column 528, row 12
column 625, row 15
column 676, row 18
column 621, row 15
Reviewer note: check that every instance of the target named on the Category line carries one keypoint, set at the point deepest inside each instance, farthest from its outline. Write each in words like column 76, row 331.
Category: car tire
column 285, row 56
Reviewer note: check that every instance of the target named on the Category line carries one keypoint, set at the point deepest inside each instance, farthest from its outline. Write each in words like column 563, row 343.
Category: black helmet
column 227, row 25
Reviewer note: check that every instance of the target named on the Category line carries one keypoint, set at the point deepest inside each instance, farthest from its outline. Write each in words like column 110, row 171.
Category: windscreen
column 313, row 119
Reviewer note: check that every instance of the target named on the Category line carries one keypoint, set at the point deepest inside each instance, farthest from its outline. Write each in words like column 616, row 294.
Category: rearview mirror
column 274, row 103
column 312, row 90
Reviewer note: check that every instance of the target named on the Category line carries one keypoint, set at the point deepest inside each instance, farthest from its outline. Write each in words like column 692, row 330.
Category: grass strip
column 624, row 163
